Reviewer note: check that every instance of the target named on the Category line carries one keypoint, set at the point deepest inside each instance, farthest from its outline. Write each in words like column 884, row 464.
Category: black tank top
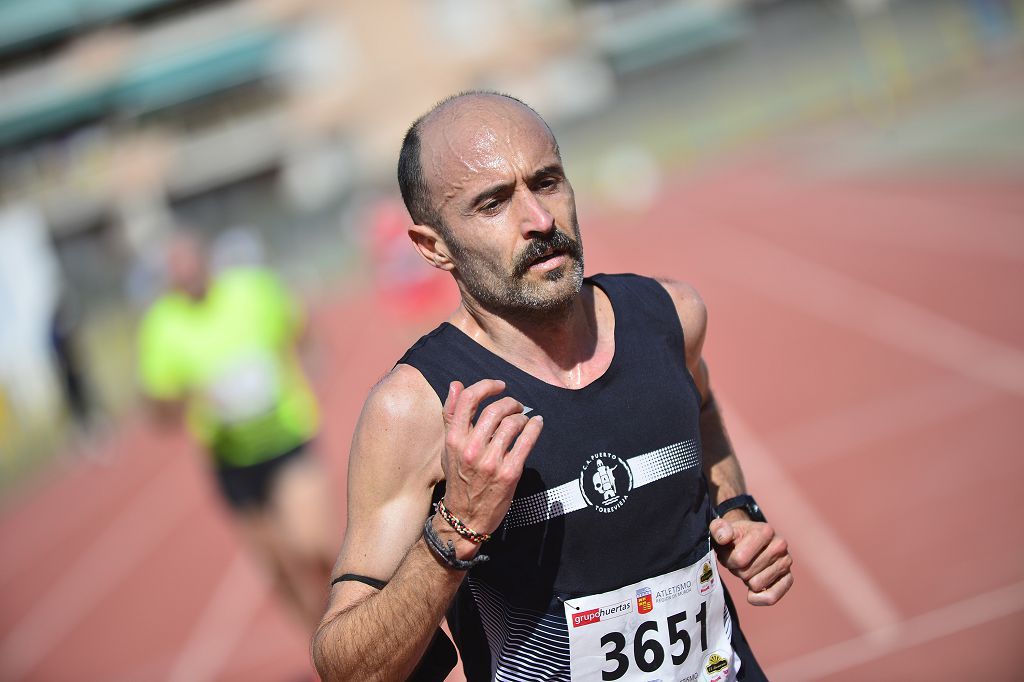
column 611, row 494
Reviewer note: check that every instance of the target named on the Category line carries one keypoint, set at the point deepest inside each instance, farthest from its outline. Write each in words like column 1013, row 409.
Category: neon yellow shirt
column 231, row 357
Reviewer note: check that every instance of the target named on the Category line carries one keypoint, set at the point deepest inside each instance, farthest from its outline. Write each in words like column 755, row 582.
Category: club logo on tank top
column 606, row 482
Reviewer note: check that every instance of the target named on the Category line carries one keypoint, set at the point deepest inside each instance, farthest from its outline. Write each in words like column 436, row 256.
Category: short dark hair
column 411, row 181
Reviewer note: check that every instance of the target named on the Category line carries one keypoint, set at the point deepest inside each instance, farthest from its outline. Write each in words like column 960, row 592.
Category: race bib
column 672, row 628
column 247, row 388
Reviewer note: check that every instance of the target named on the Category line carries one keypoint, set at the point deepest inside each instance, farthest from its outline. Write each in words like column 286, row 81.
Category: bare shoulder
column 693, row 317
column 400, row 428
column 403, row 393
column 693, row 314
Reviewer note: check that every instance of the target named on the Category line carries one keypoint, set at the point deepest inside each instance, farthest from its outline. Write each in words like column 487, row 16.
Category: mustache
column 554, row 243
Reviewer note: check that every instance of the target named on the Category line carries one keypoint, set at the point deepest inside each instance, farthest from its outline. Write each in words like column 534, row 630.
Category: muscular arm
column 721, row 467
column 403, row 445
column 750, row 550
column 725, row 477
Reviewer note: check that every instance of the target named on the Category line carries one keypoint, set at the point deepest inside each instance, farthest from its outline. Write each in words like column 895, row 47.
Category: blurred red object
column 404, row 285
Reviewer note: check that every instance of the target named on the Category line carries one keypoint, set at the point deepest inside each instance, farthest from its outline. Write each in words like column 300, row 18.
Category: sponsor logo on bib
column 606, row 482
column 602, row 613
column 586, row 617
column 644, row 602
column 707, row 578
column 716, row 667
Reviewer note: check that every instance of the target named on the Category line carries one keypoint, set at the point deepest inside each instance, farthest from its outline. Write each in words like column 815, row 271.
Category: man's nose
column 535, row 219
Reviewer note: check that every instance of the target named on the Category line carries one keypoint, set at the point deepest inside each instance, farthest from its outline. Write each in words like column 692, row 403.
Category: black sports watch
column 744, row 502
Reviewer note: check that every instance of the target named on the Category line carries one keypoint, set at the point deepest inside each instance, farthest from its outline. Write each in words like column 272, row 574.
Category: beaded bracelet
column 461, row 528
column 447, row 554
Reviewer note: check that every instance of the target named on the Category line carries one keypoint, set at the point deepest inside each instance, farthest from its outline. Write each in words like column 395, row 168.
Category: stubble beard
column 511, row 295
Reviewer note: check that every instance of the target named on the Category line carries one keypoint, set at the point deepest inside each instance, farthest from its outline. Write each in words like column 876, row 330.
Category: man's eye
column 547, row 183
column 491, row 205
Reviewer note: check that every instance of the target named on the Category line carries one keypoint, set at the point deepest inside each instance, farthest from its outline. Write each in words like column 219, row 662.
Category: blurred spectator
column 221, row 351
column 65, row 329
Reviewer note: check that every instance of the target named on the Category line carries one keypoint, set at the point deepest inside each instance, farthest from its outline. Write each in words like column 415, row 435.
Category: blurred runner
column 221, row 351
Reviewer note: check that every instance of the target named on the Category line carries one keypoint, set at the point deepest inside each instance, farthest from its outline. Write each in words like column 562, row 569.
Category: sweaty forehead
column 474, row 137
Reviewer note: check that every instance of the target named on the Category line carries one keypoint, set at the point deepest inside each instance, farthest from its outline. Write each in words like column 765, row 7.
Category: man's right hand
column 483, row 461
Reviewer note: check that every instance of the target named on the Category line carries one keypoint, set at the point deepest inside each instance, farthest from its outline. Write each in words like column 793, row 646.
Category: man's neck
column 570, row 347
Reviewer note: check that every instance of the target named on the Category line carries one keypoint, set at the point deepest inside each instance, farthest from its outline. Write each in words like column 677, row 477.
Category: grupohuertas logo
column 605, row 482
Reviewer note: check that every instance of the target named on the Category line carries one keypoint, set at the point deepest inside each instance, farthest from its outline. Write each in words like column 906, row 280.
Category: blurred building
column 115, row 112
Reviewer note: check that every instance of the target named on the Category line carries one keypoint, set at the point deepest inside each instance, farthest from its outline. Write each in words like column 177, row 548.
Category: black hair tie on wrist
column 447, row 553
column 356, row 578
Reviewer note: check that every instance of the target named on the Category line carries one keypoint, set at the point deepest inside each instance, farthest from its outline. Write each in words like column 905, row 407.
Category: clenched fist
column 753, row 552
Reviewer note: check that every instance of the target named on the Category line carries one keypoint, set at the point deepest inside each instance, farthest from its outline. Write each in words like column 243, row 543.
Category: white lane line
column 843, row 431
column 272, row 653
column 922, row 629
column 35, row 530
column 228, row 613
column 153, row 669
column 816, row 547
column 147, row 519
column 1001, row 242
column 928, row 225
column 38, row 532
column 844, row 301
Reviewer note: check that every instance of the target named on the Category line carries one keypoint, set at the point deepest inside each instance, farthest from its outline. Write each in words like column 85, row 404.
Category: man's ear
column 431, row 246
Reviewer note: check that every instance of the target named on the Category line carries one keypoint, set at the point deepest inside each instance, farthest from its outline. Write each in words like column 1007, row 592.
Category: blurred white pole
column 29, row 286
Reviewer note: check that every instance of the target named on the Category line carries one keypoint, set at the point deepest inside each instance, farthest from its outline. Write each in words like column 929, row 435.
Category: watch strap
column 745, row 502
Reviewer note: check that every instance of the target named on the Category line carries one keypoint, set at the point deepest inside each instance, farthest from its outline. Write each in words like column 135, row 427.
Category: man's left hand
column 756, row 555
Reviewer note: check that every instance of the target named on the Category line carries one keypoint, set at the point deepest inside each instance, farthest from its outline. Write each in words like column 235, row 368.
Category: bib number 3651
column 673, row 626
column 649, row 654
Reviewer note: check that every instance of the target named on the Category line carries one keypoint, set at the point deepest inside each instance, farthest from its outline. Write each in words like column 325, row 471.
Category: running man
column 221, row 352
column 585, row 487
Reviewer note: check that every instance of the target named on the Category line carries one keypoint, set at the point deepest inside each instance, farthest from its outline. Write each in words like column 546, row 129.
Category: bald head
column 450, row 132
